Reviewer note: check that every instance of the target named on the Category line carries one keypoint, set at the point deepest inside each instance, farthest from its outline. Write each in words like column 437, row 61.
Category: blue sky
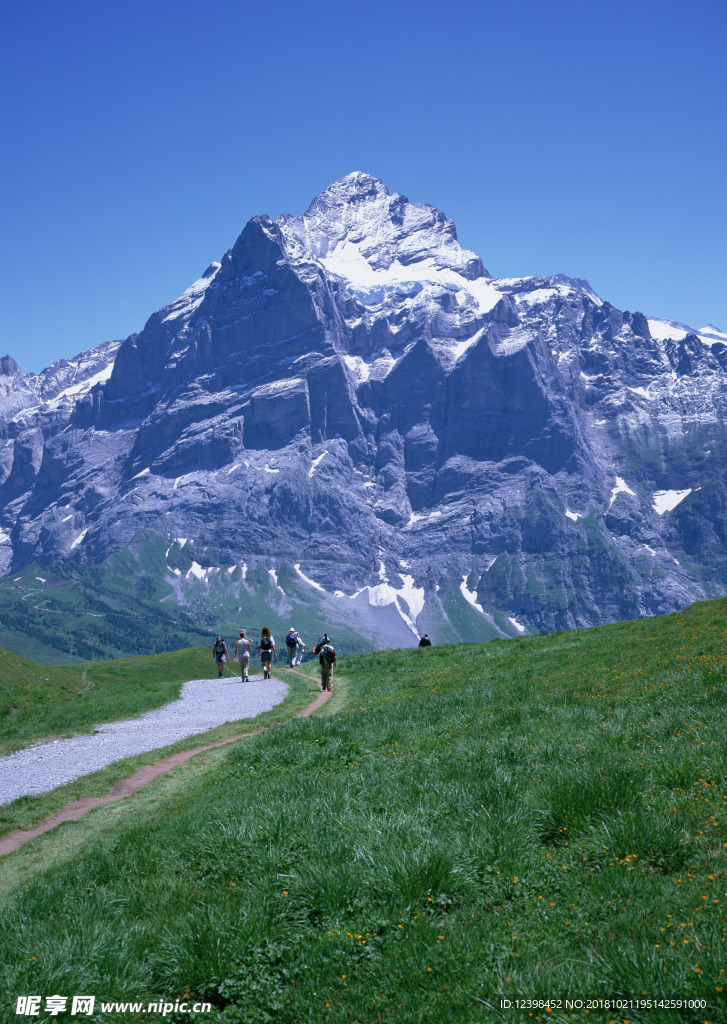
column 586, row 138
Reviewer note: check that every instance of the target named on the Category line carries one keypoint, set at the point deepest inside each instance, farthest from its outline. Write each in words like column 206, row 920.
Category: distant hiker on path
column 219, row 653
column 242, row 654
column 327, row 657
column 425, row 641
column 266, row 651
column 294, row 645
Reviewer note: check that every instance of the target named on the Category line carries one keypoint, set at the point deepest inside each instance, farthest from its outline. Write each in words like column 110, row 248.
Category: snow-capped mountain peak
column 384, row 227
column 356, row 187
column 380, row 244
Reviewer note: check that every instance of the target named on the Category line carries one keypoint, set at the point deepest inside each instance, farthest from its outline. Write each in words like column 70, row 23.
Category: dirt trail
column 124, row 787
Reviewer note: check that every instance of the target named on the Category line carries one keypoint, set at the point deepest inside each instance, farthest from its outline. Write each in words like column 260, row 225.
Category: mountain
column 348, row 423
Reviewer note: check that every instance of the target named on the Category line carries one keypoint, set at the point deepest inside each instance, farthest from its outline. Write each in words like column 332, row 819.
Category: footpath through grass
column 541, row 818
column 40, row 703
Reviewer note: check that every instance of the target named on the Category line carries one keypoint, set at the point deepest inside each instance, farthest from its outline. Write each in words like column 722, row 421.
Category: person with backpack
column 294, row 645
column 327, row 657
column 242, row 654
column 425, row 641
column 220, row 655
column 266, row 651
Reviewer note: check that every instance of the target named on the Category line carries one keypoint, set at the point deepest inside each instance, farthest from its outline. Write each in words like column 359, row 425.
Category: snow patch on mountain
column 201, row 573
column 672, row 330
column 536, row 291
column 513, row 341
column 710, row 334
column 373, row 285
column 377, row 368
column 316, row 463
column 450, row 352
column 641, row 392
column 191, row 298
column 416, row 517
column 665, row 501
column 620, row 488
column 407, row 599
column 278, row 387
column 76, row 391
column 274, row 577
column 470, row 595
column 307, row 579
column 666, row 330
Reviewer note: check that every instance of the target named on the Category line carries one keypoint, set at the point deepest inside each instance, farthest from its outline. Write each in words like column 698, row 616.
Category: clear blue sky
column 585, row 137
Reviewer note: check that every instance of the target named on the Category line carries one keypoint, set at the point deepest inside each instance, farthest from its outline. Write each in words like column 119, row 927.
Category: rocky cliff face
column 349, row 402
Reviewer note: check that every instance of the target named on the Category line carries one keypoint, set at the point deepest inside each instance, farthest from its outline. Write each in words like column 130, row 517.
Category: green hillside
column 539, row 818
column 131, row 605
column 155, row 596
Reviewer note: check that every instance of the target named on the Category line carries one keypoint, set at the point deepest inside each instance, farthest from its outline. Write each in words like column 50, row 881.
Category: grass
column 533, row 818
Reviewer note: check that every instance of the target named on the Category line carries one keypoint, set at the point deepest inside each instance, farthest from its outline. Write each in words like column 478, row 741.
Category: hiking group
column 267, row 650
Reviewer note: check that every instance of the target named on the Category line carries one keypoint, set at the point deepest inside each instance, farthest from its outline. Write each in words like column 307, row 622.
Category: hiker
column 425, row 641
column 266, row 651
column 294, row 645
column 220, row 655
column 242, row 654
column 327, row 657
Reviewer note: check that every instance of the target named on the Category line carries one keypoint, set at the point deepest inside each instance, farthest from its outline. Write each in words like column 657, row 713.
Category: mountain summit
column 347, row 418
column 357, row 221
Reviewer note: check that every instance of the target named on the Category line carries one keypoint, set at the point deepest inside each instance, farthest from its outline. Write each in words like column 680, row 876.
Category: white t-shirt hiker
column 242, row 654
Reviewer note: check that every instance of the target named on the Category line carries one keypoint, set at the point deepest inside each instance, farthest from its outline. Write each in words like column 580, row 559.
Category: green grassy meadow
column 541, row 818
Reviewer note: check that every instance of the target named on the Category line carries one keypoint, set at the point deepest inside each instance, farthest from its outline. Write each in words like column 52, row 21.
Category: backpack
column 292, row 640
column 328, row 655
column 219, row 649
column 266, row 643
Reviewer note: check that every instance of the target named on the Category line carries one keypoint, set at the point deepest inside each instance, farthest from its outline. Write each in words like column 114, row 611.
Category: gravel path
column 202, row 705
